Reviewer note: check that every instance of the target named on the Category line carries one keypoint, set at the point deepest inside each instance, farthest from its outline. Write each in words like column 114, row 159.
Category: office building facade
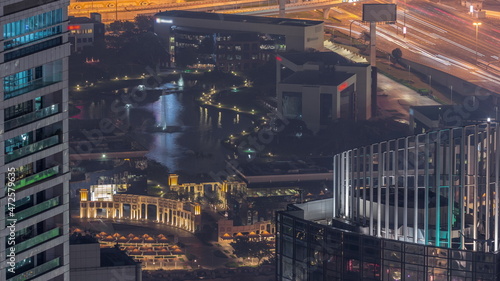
column 233, row 42
column 421, row 208
column 33, row 139
column 321, row 87
column 85, row 32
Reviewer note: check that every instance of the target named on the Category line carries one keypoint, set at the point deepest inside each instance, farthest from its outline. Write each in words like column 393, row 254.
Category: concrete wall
column 106, row 273
column 317, row 210
column 363, row 89
column 85, row 255
column 311, row 100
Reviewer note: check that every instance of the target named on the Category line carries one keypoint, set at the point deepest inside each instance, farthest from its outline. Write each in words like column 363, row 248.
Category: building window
column 32, row 79
column 27, row 25
column 22, row 79
column 32, row 49
column 292, row 105
column 32, row 37
column 23, row 171
column 18, row 142
column 18, row 110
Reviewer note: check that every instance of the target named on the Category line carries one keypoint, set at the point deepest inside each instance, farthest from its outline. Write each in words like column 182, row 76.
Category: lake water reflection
column 195, row 146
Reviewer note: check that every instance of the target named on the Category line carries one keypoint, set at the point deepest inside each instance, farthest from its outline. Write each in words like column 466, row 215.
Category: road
column 438, row 36
column 123, row 10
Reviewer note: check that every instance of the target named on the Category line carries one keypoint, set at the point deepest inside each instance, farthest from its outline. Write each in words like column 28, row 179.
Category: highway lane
column 85, row 8
column 460, row 32
column 453, row 34
column 438, row 37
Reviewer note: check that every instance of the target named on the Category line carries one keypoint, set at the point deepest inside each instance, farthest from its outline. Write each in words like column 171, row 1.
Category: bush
column 231, row 264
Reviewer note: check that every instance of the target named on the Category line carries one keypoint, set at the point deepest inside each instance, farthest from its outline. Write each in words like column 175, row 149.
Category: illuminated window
column 27, row 25
column 18, row 142
column 32, row 37
column 31, row 79
column 22, row 79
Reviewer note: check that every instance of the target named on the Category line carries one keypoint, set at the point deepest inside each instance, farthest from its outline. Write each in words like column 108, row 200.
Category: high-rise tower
column 34, row 221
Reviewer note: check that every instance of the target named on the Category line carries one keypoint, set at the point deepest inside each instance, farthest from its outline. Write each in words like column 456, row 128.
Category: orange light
column 342, row 86
column 74, row 27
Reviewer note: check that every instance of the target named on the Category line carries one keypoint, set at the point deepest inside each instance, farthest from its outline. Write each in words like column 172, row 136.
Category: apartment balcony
column 37, row 240
column 31, row 117
column 32, row 148
column 37, row 209
column 34, row 85
column 36, row 178
column 39, row 270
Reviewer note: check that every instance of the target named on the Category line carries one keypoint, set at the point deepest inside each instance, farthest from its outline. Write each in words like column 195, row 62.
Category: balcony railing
column 36, row 178
column 34, row 85
column 39, row 270
column 37, row 240
column 31, row 117
column 32, row 148
column 37, row 209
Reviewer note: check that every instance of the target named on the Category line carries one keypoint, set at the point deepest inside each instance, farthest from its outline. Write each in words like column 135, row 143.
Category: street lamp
column 476, row 24
column 451, row 93
column 350, row 29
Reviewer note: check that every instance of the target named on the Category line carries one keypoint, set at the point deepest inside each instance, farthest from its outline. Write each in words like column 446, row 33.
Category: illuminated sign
column 158, row 20
column 278, row 58
column 73, row 27
column 342, row 86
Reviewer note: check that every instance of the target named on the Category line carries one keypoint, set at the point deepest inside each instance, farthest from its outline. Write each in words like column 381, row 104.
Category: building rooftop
column 291, row 184
column 316, row 77
column 81, row 20
column 327, row 58
column 115, row 257
column 237, row 18
column 77, row 238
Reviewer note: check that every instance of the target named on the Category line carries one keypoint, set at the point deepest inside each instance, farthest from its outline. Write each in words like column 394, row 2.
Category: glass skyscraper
column 419, row 208
column 34, row 140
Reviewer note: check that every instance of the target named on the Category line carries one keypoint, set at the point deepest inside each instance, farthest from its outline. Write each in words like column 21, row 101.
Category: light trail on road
column 437, row 38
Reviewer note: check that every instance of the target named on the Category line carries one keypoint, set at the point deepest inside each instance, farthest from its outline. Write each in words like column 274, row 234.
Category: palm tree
column 213, row 199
